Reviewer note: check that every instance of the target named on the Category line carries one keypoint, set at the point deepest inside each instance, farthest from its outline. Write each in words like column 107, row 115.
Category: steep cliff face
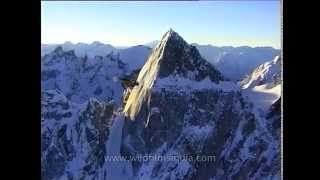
column 183, row 107
column 274, row 119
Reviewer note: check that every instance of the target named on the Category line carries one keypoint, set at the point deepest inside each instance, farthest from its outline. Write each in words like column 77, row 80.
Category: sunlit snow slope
column 263, row 85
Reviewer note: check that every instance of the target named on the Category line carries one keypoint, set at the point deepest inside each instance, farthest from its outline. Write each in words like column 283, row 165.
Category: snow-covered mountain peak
column 60, row 52
column 263, row 85
column 267, row 72
column 80, row 49
column 178, row 58
column 80, row 78
column 172, row 57
column 68, row 43
column 171, row 34
column 170, row 37
column 97, row 43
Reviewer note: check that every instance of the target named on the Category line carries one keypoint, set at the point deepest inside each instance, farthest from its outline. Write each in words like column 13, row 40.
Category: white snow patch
column 117, row 169
column 263, row 97
column 155, row 110
column 264, row 72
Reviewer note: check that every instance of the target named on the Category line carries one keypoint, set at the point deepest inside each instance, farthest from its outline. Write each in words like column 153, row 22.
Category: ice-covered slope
column 263, row 85
column 266, row 73
column 183, row 107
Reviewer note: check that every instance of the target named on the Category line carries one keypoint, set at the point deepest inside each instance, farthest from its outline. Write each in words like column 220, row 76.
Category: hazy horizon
column 125, row 24
column 146, row 44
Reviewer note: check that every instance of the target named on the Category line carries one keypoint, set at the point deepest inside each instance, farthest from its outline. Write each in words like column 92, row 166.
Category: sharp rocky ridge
column 184, row 107
column 172, row 58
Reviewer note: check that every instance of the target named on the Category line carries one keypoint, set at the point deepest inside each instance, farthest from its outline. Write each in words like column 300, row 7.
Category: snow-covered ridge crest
column 265, row 73
column 263, row 85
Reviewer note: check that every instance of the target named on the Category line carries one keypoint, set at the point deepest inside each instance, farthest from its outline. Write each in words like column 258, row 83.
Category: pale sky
column 219, row 23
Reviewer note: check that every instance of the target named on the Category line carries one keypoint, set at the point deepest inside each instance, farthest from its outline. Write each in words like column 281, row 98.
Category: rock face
column 183, row 107
column 73, row 137
column 274, row 119
column 172, row 57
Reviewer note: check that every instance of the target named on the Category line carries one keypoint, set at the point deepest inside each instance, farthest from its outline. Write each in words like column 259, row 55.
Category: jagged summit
column 68, row 43
column 180, row 58
column 97, row 43
column 173, row 57
column 268, row 72
column 60, row 51
column 171, row 34
column 170, row 37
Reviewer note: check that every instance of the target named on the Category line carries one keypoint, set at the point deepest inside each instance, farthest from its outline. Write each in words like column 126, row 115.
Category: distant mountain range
column 81, row 49
column 234, row 62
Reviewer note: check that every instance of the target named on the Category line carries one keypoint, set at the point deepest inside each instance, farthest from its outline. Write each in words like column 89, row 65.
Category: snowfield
column 262, row 96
